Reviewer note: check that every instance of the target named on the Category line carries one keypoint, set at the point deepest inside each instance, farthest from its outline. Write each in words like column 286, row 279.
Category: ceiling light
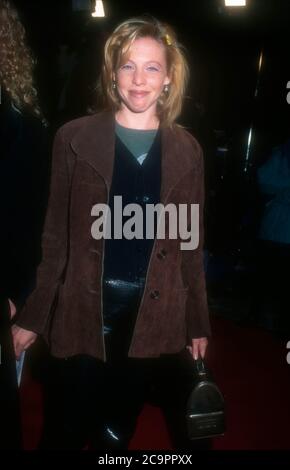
column 235, row 3
column 99, row 10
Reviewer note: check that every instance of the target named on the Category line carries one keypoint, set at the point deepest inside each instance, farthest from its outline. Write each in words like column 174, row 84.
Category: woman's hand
column 22, row 339
column 198, row 347
column 12, row 309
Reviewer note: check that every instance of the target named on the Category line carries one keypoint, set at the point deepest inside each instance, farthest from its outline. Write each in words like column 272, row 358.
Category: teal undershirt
column 137, row 141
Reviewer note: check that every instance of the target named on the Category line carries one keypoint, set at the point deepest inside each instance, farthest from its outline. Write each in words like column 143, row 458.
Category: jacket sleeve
column 36, row 311
column 197, row 315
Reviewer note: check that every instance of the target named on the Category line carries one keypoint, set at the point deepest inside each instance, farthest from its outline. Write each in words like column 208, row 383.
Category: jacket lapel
column 95, row 143
column 174, row 165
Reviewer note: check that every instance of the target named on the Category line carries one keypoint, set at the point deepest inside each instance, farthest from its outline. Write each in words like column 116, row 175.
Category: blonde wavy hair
column 16, row 62
column 118, row 45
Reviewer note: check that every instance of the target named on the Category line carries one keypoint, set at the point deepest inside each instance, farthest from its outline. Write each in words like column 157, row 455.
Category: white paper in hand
column 19, row 367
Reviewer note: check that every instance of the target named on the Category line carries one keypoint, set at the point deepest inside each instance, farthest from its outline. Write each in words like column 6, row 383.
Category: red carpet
column 251, row 369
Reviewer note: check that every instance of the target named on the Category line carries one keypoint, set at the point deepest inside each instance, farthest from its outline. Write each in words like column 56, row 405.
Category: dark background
column 246, row 286
column 223, row 46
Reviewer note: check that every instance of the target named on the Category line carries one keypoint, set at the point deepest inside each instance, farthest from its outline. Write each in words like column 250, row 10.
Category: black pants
column 89, row 401
column 93, row 402
column 10, row 429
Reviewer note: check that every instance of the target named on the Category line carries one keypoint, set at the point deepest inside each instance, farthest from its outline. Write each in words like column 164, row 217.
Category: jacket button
column 92, row 291
column 161, row 254
column 93, row 250
column 155, row 294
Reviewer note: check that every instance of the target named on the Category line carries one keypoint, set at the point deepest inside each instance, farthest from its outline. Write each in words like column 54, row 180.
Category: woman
column 126, row 309
column 22, row 173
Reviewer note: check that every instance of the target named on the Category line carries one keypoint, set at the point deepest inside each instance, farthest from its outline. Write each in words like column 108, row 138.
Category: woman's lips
column 138, row 94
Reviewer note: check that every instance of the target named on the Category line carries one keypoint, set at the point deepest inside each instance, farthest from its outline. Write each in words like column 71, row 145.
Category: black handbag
column 205, row 411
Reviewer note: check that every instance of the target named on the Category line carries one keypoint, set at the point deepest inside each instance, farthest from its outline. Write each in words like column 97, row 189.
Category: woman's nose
column 138, row 77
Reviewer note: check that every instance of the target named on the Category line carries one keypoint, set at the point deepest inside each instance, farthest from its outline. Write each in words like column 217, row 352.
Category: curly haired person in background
column 22, row 200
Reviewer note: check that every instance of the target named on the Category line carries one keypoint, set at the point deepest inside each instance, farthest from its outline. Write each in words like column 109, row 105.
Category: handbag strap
column 200, row 366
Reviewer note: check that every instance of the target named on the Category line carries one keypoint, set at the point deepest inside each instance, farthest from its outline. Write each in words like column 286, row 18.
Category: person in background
column 22, row 201
column 271, row 298
column 123, row 316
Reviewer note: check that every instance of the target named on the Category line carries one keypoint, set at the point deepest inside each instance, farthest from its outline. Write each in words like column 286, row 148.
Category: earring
column 114, row 84
column 166, row 89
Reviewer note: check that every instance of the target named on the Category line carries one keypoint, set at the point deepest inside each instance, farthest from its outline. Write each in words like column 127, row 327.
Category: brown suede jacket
column 66, row 305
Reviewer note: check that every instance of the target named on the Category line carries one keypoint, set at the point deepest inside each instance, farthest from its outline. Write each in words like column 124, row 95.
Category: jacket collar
column 94, row 142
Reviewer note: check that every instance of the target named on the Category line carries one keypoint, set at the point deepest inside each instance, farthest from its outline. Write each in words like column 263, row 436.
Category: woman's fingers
column 18, row 350
column 22, row 339
column 202, row 347
column 199, row 346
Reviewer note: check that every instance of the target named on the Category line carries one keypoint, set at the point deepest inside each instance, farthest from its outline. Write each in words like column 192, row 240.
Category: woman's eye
column 151, row 68
column 127, row 67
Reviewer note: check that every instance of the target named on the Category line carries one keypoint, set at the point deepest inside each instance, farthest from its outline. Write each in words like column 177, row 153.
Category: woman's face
column 141, row 78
